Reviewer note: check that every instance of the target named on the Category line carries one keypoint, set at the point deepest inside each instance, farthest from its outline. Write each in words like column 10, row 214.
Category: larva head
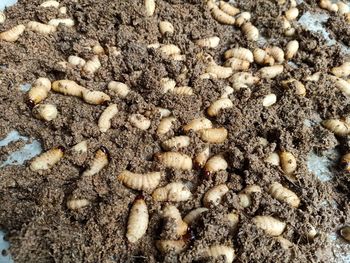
column 31, row 103
column 189, row 236
column 61, row 148
column 207, row 174
column 139, row 197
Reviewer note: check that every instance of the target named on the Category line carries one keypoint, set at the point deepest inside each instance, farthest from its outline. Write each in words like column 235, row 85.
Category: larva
column 80, row 147
column 166, row 27
column 292, row 13
column 2, row 17
column 213, row 135
column 68, row 22
column 12, row 34
column 176, row 160
column 338, row 127
column 214, row 195
column 170, row 211
column 285, row 243
column 194, row 214
column 40, row 27
column 75, row 204
column 39, row 91
column 174, row 246
column 98, row 163
column 218, row 105
column 137, row 221
column 176, row 143
column 227, row 92
column 184, row 90
column 328, row 5
column 277, row 53
column 288, row 162
column 62, row 10
column 139, row 121
column 237, row 64
column 46, row 112
column 50, row 3
column 269, row 100
column 173, row 192
column 342, row 85
column 198, row 124
column 136, row 181
column 228, row 8
column 243, row 79
column 345, row 162
column 283, row 194
column 233, row 219
column 121, row 89
column 342, row 70
column 292, row 49
column 245, row 198
column 215, row 164
column 170, row 49
column 165, row 125
column 178, row 57
column 345, row 232
column 210, row 42
column 95, row 97
column 221, row 250
column 92, row 65
column 150, row 7
column 68, row 87
column 314, row 77
column 47, row 159
column 261, row 57
column 250, row 31
column 273, row 158
column 240, row 53
column 242, row 18
column 76, row 61
column 288, row 29
column 208, row 76
column 219, row 71
column 222, row 17
column 271, row 72
column 202, row 157
column 98, row 49
column 343, row 8
column 270, row 225
column 164, row 112
column 104, row 122
column 167, row 84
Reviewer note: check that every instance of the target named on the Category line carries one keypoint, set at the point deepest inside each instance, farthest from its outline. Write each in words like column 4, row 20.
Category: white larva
column 270, row 225
column 273, row 158
column 269, row 100
column 214, row 195
column 237, row 64
column 277, row 53
column 2, row 17
column 219, row 71
column 292, row 13
column 164, row 112
column 166, row 27
column 121, row 89
column 342, row 85
column 215, row 164
column 76, row 61
column 338, row 127
column 81, row 147
column 240, row 53
column 92, row 66
column 221, row 250
column 39, row 91
column 218, row 105
column 138, row 221
column 288, row 162
column 243, row 79
column 183, row 90
column 175, row 160
column 198, row 124
column 62, row 10
column 174, row 246
column 68, row 87
column 68, row 22
column 167, row 85
column 271, row 72
column 233, row 219
column 222, row 17
column 261, row 57
column 314, row 77
column 75, row 204
column 50, row 3
column 165, row 125
column 40, row 27
column 213, row 135
column 176, row 143
column 146, row 182
column 139, row 121
column 242, row 18
column 170, row 49
column 226, row 92
column 343, row 8
column 194, row 214
column 228, row 8
column 95, row 97
column 12, row 34
column 174, row 192
column 283, row 194
column 298, row 87
column 98, row 163
column 208, row 76
column 47, row 159
column 46, row 112
column 292, row 49
column 285, row 243
column 202, row 157
column 210, row 42
column 250, row 31
column 170, row 211
column 342, row 70
column 104, row 122
column 98, row 49
column 245, row 198
column 150, row 7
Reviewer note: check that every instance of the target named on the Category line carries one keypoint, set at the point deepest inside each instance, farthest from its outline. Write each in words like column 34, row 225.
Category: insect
column 175, row 192
column 245, row 198
column 47, row 159
column 213, row 135
column 237, row 64
column 250, row 31
column 198, row 124
column 221, row 16
column 269, row 100
column 170, row 50
column 243, row 80
column 342, row 85
column 233, row 219
column 242, row 18
column 228, row 8
column 328, row 5
column 262, row 57
column 221, row 250
column 75, row 204
column 270, row 225
column 283, row 194
column 150, row 6
column 292, row 49
column 41, row 28
column 273, row 158
column 342, row 70
column 39, row 91
column 76, row 61
column 214, row 195
column 338, row 127
column 138, row 220
column 219, row 71
column 176, row 143
column 215, row 164
column 175, row 160
column 98, row 49
column 240, row 53
column 202, row 157
column 2, row 17
column 121, row 89
column 104, row 122
column 271, row 71
column 210, row 42
column 277, row 53
column 98, row 163
column 68, row 22
column 174, row 246
column 297, row 85
column 166, row 27
column 167, row 84
column 218, row 105
column 68, row 87
column 285, row 243
column 146, row 182
column 80, row 147
column 140, row 121
column 165, row 125
column 194, row 214
column 92, row 65
column 95, row 97
column 343, row 8
column 292, row 13
column 46, row 112
column 50, row 3
column 288, row 163
column 170, row 211
column 12, row 34
column 183, row 90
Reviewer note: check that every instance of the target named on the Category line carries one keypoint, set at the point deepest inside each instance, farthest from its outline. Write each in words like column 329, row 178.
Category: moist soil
column 33, row 204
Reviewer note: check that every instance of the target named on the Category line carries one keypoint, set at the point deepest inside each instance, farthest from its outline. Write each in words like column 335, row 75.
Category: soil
column 33, row 205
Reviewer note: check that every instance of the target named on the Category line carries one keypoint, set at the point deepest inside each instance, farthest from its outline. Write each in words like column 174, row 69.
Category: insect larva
column 243, row 18
column 208, row 76
column 250, row 31
column 228, row 8
column 140, row 121
column 202, row 157
column 95, row 97
column 170, row 49
column 98, row 163
column 271, row 72
column 243, row 79
column 121, row 89
column 92, row 65
column 2, row 17
column 76, row 204
column 273, row 159
column 166, row 27
column 194, row 214
column 269, row 100
column 342, row 8
column 314, row 77
column 68, row 22
column 237, row 64
column 50, row 3
column 214, row 195
column 47, row 159
column 240, row 53
column 175, row 160
column 98, row 49
column 80, row 147
column 176, row 143
column 311, row 233
column 288, row 162
column 215, row 164
column 245, row 199
column 227, row 92
column 277, row 53
column 341, row 71
column 292, row 13
column 222, row 17
column 173, row 192
column 12, row 34
column 167, row 84
column 68, row 87
column 211, row 4
column 261, row 57
column 172, row 212
column 184, row 90
column 165, row 125
column 39, row 91
column 174, row 246
column 213, row 135
column 270, row 225
column 150, row 7
column 297, row 85
column 210, row 42
column 285, row 243
column 288, row 29
column 345, row 232
column 221, row 250
column 218, row 105
column 46, row 112
column 62, row 10
column 76, row 61
column 328, row 5
column 198, row 124
column 345, row 162
column 138, row 221
column 41, row 28
column 219, row 71
column 338, row 127
column 136, row 181
column 283, row 194
column 104, row 122
column 342, row 85
column 164, row 112
column 291, row 49
column 233, row 219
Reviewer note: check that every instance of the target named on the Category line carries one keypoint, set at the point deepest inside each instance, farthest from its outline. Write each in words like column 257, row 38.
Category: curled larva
column 46, row 112
column 80, row 147
column 285, row 243
column 201, row 157
column 240, row 53
column 76, row 61
column 198, row 124
column 273, row 158
column 50, row 3
column 95, row 97
column 170, row 211
column 47, row 159
column 342, row 85
column 245, row 199
column 68, row 87
column 194, row 214
column 139, row 121
column 2, row 17
column 98, row 49
column 68, row 22
column 228, row 8
column 338, row 127
column 271, row 72
column 292, row 13
column 174, row 192
column 39, row 91
column 214, row 195
column 41, row 28
column 314, row 77
column 261, row 57
column 165, row 125
column 343, row 8
column 98, row 163
column 176, row 143
column 145, row 182
column 219, row 71
column 104, row 122
column 170, row 49
column 175, row 160
column 292, row 49
column 328, row 5
column 277, row 53
column 345, row 162
column 137, row 221
column 150, row 7
column 341, row 71
column 299, row 87
column 243, row 79
column 221, row 250
column 270, row 225
column 209, row 42
column 166, row 27
column 121, row 89
column 250, row 31
column 75, row 204
column 269, row 100
column 218, row 105
column 222, row 17
column 288, row 162
column 237, row 64
column 12, row 34
column 242, row 18
column 215, row 164
column 183, row 90
column 92, row 65
column 174, row 246
column 345, row 232
column 226, row 92
column 283, row 194
column 213, row 135
column 167, row 84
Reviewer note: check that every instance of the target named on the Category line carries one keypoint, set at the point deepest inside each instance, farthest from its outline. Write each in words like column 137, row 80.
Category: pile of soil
column 33, row 205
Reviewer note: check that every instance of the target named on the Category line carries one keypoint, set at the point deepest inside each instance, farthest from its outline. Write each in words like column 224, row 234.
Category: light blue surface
column 4, row 3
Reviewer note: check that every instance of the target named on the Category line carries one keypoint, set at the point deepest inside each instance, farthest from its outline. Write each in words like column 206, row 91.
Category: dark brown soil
column 33, row 205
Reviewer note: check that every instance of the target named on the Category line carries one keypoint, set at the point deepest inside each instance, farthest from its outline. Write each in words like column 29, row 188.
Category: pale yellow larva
column 165, row 27
column 240, row 53
column 174, row 246
column 342, row 85
column 328, row 5
column 287, row 27
column 198, row 124
column 47, row 159
column 2, row 17
column 81, row 147
column 219, row 71
column 170, row 211
column 75, row 204
column 150, row 7
column 338, row 127
column 210, row 42
column 76, row 61
column 68, row 87
column 176, row 143
column 273, row 158
column 222, row 17
column 12, row 34
column 288, row 162
column 314, row 77
column 237, row 64
column 170, row 49
column 218, row 105
column 95, row 97
column 139, row 121
column 167, row 85
column 233, row 219
column 228, row 8
column 208, row 76
column 45, row 112
column 299, row 87
column 283, row 194
column 261, row 57
column 277, row 53
column 137, row 221
column 98, row 163
column 41, row 28
column 216, row 251
column 98, row 49
column 176, row 160
column 121, row 89
column 213, row 135
column 104, row 122
column 345, row 232
column 163, row 112
column 202, row 157
column 292, row 49
column 245, row 199
column 270, row 225
column 194, row 214
column 215, row 164
column 271, row 72
column 165, row 125
column 214, row 195
column 183, row 90
column 311, row 232
column 243, row 79
column 68, row 22
column 136, row 181
column 50, row 3
column 250, row 31
column 39, row 91
column 174, row 192
column 343, row 8
column 291, row 13
column 342, row 70
column 226, row 92
column 242, row 18
column 92, row 66
column 285, row 243
column 269, row 100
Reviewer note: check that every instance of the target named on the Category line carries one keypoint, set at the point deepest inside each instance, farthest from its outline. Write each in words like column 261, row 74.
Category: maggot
column 176, row 142
column 170, row 211
column 214, row 195
column 95, row 97
column 343, row 8
column 285, row 243
column 237, row 64
column 271, row 72
column 39, row 91
column 92, row 65
column 76, row 61
column 342, row 85
column 292, row 13
column 328, row 5
column 226, row 92
column 215, row 164
column 12, row 34
column 176, row 160
column 163, row 112
column 299, row 87
column 262, row 57
column 338, row 127
column 167, row 84
column 216, row 251
column 292, row 49
column 104, row 122
column 269, row 100
column 68, row 87
column 277, row 53
column 68, row 22
column 213, row 135
column 228, row 8
column 75, row 204
column 80, row 147
column 62, row 10
column 345, row 232
column 166, row 27
column 174, row 246
column 202, row 157
column 218, row 105
column 2, row 17
column 46, row 112
column 98, row 49
column 137, row 181
column 345, row 162
column 242, row 18
column 270, row 225
column 98, row 163
column 210, row 42
column 250, row 31
column 183, row 90
column 288, row 163
column 314, row 77
column 194, row 214
column 137, row 221
column 342, row 70
column 50, row 3
column 273, row 158
column 41, row 28
column 47, row 159
column 198, row 124
column 219, row 71
column 170, row 49
column 283, row 194
column 233, row 219
column 120, row 88
column 222, row 17
column 165, row 125
column 240, row 53
column 139, row 121
column 245, row 196
column 173, row 192
column 243, row 79
column 150, row 7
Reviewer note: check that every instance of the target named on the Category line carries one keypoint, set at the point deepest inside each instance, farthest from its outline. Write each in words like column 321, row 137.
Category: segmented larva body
column 345, row 233
column 146, row 182
column 214, row 195
column 75, row 204
column 291, row 13
column 76, row 61
column 343, row 8
column 273, row 158
column 172, row 212
column 285, row 243
column 41, row 28
column 277, row 53
column 176, row 160
column 270, row 225
column 208, row 76
column 221, row 250
column 213, row 135
column 314, row 77
column 271, row 72
column 2, row 17
column 240, row 53
column 328, row 5
column 12, row 34
column 98, row 49
column 215, row 164
column 39, row 91
column 202, row 157
column 250, row 31
column 138, row 221
column 173, row 192
column 184, row 90
column 243, row 79
column 243, row 18
column 166, row 27
column 104, row 122
column 283, row 194
column 218, row 105
column 342, row 85
column 95, row 97
column 210, row 42
column 219, row 71
column 165, row 125
column 237, row 64
column 121, row 89
column 222, row 17
column 98, row 163
column 163, row 112
column 176, row 143
column 233, row 219
column 170, row 49
column 194, row 214
column 292, row 49
column 167, row 84
column 299, row 87
column 92, row 65
column 345, row 162
column 46, row 112
column 68, row 22
column 288, row 162
column 47, row 159
column 245, row 199
column 338, row 127
column 288, row 29
column 174, row 246
column 269, row 100
column 341, row 71
column 50, row 3
column 150, row 7
column 228, row 8
column 198, row 124
column 139, row 121
column 262, row 57
column 68, row 87
column 227, row 92
column 80, row 147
